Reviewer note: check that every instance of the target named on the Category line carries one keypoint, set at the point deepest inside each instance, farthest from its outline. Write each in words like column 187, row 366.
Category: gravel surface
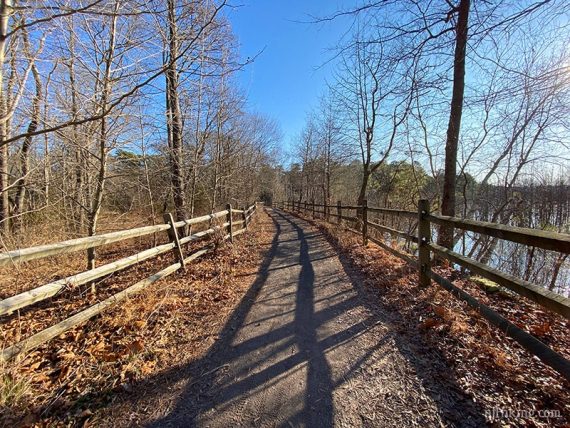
column 308, row 347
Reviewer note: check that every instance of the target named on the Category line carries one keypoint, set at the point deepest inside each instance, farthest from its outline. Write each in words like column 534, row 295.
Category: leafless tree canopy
column 465, row 103
column 111, row 108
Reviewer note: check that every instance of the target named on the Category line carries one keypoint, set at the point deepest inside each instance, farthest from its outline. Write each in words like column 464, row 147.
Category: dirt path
column 307, row 348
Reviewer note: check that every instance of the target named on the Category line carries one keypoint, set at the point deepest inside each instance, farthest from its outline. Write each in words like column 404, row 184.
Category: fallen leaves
column 441, row 312
column 542, row 329
column 487, row 364
column 139, row 325
column 135, row 347
column 79, row 372
column 430, row 323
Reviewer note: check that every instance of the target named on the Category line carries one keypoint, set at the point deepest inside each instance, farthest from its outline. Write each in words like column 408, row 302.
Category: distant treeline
column 530, row 203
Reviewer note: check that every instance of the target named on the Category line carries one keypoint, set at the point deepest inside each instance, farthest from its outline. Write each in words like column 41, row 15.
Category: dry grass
column 25, row 276
column 71, row 379
column 14, row 387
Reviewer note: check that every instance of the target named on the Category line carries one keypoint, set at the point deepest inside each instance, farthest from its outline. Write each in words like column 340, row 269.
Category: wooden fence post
column 365, row 222
column 339, row 211
column 173, row 235
column 230, row 220
column 424, row 237
column 245, row 217
column 313, row 205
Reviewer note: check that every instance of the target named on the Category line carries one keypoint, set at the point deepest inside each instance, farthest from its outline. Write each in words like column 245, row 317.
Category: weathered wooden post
column 173, row 235
column 339, row 211
column 245, row 217
column 230, row 221
column 424, row 237
column 365, row 222
column 313, row 207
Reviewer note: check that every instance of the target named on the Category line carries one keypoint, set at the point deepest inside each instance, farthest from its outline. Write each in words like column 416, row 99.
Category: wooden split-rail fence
column 229, row 222
column 423, row 219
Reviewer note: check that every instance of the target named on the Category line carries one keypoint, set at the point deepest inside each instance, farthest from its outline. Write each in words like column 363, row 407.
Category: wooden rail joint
column 173, row 235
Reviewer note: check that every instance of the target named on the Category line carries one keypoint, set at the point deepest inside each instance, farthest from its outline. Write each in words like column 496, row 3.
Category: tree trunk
column 363, row 188
column 97, row 201
column 79, row 170
column 557, row 265
column 5, row 10
column 174, row 115
column 328, row 178
column 19, row 206
column 449, row 180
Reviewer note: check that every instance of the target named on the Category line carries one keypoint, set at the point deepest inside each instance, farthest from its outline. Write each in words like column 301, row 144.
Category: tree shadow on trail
column 216, row 390
column 283, row 337
column 438, row 378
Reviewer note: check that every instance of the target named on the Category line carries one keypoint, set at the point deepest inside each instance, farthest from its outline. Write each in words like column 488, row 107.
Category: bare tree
column 173, row 112
column 445, row 237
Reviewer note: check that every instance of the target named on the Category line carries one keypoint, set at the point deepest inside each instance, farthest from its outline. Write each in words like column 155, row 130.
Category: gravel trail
column 309, row 347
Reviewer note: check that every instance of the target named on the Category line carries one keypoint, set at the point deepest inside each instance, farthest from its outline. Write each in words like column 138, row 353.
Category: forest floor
column 72, row 379
column 296, row 324
column 509, row 385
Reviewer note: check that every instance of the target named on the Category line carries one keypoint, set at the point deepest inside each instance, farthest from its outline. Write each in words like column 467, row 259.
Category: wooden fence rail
column 74, row 245
column 25, row 299
column 552, row 241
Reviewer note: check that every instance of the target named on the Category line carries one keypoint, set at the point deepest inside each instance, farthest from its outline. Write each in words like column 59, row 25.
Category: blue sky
column 286, row 80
